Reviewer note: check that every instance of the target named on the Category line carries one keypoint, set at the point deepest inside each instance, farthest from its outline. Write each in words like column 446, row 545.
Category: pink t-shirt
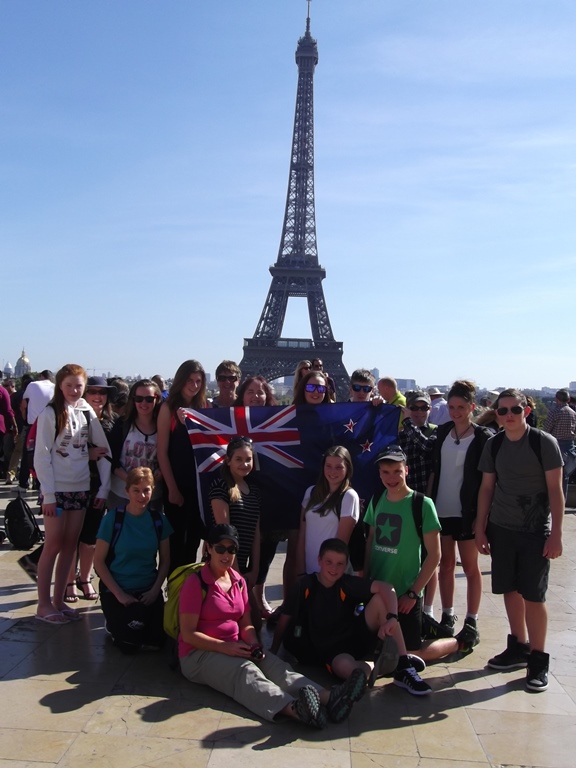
column 219, row 612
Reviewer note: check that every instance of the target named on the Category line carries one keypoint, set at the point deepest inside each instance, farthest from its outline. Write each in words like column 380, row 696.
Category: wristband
column 391, row 616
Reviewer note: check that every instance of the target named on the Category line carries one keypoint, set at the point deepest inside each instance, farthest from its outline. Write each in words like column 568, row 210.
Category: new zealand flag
column 289, row 443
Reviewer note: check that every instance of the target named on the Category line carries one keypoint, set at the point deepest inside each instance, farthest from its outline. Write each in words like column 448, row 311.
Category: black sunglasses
column 316, row 387
column 220, row 548
column 223, row 377
column 361, row 388
column 516, row 410
column 103, row 392
column 144, row 398
column 236, row 441
column 419, row 407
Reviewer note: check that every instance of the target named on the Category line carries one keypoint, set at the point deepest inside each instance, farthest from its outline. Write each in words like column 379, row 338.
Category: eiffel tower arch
column 297, row 272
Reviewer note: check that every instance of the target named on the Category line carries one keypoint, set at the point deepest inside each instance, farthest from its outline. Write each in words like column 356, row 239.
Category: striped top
column 244, row 515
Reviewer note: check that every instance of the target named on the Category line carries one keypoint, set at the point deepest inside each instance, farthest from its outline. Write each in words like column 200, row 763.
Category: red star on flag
column 350, row 426
column 367, row 446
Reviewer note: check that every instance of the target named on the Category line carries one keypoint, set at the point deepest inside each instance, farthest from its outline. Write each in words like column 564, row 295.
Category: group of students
column 481, row 500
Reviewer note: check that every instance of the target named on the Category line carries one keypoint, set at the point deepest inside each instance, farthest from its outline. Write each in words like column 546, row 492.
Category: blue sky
column 144, row 150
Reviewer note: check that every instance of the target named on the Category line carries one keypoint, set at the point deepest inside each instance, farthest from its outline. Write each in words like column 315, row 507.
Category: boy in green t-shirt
column 394, row 549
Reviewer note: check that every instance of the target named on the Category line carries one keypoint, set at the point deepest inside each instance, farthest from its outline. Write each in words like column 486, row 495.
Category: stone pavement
column 69, row 699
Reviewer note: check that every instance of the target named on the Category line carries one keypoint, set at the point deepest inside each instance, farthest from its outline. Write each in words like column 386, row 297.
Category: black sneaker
column 514, row 657
column 344, row 696
column 29, row 567
column 468, row 638
column 410, row 679
column 385, row 661
column 308, row 708
column 416, row 662
column 448, row 622
column 537, row 673
column 432, row 629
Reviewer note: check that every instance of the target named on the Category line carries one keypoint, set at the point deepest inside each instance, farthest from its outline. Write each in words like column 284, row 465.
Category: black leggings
column 135, row 625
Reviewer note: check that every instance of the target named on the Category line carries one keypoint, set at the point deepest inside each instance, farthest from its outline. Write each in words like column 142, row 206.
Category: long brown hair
column 174, row 399
column 321, row 496
column 235, row 444
column 58, row 400
column 131, row 413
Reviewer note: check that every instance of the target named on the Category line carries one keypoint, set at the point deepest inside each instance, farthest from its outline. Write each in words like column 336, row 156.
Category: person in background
column 561, row 424
column 36, row 397
column 161, row 384
column 19, row 448
column 228, row 376
column 303, row 367
column 388, row 389
column 8, row 430
column 120, row 397
column 439, row 407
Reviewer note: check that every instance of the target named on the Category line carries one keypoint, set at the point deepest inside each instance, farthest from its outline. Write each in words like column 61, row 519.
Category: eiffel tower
column 297, row 271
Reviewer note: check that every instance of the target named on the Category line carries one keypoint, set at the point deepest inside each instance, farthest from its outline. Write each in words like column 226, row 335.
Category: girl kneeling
column 130, row 581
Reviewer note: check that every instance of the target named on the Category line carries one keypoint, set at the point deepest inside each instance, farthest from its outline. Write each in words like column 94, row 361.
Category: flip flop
column 53, row 618
column 71, row 614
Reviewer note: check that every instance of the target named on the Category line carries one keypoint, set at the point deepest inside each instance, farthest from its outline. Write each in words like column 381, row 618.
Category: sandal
column 73, row 597
column 88, row 591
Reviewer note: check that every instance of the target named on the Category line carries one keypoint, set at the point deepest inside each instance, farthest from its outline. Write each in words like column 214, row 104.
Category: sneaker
column 416, row 662
column 468, row 638
column 514, row 657
column 345, row 695
column 29, row 567
column 410, row 679
column 432, row 629
column 537, row 673
column 308, row 708
column 386, row 657
column 3, row 536
column 448, row 622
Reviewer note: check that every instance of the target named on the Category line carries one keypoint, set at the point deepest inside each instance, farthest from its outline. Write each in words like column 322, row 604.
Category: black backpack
column 21, row 526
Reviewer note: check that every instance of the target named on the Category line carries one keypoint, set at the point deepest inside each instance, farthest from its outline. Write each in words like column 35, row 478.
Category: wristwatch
column 411, row 594
column 391, row 616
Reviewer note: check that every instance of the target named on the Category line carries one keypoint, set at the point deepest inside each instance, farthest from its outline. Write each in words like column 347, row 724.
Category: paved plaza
column 70, row 699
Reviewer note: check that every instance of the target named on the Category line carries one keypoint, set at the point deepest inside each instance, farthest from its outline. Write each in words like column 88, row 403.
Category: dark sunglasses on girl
column 103, row 392
column 220, row 548
column 316, row 388
column 361, row 388
column 419, row 407
column 516, row 410
column 144, row 398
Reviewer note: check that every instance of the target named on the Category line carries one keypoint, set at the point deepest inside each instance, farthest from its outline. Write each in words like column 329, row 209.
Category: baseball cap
column 391, row 453
column 416, row 396
column 222, row 532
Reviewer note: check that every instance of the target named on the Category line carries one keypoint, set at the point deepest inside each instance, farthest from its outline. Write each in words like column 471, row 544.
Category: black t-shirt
column 326, row 613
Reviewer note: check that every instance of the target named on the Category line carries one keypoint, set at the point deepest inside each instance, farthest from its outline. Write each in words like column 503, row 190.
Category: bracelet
column 391, row 616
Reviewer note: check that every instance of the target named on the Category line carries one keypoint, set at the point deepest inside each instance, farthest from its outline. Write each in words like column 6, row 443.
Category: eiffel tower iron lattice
column 297, row 272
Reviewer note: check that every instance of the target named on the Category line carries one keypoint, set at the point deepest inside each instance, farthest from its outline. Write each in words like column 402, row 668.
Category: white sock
column 428, row 610
column 448, row 611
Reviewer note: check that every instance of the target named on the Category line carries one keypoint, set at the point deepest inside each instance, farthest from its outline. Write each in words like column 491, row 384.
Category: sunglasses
column 102, row 392
column 222, row 377
column 220, row 549
column 516, row 410
column 144, row 398
column 362, row 388
column 419, row 407
column 316, row 388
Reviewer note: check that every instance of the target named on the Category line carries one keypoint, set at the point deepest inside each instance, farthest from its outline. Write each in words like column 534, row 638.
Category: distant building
column 405, row 384
column 22, row 365
column 8, row 370
column 572, row 386
column 375, row 372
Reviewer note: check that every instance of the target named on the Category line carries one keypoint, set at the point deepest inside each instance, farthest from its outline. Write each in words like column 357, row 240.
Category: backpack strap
column 533, row 438
column 417, row 510
column 157, row 520
column 119, row 516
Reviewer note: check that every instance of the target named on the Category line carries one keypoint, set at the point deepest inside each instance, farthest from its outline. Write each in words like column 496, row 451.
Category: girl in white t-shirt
column 330, row 509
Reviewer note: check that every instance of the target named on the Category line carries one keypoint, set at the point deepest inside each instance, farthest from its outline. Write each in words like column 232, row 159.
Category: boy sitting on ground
column 337, row 620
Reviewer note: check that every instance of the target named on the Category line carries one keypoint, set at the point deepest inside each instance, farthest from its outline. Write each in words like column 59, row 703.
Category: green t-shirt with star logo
column 395, row 556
